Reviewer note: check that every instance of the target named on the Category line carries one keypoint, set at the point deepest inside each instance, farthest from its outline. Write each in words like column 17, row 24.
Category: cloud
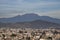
column 15, row 7
column 35, row 1
column 55, row 14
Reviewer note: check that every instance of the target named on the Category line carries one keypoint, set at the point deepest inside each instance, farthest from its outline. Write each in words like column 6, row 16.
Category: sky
column 10, row 8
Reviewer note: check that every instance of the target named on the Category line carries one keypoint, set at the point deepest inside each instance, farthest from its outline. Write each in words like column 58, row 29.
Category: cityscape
column 29, row 34
column 29, row 19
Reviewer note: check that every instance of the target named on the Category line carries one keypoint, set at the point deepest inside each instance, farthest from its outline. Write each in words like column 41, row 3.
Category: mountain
column 31, row 24
column 29, row 17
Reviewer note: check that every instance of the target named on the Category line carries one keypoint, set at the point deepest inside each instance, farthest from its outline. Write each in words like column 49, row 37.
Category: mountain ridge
column 29, row 17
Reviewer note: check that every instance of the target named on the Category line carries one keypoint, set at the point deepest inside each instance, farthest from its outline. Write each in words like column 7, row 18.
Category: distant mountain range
column 28, row 18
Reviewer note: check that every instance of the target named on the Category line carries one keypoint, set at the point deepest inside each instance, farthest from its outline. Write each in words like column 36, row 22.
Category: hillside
column 32, row 24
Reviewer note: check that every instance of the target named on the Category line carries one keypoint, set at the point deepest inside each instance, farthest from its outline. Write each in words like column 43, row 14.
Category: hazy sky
column 10, row 8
